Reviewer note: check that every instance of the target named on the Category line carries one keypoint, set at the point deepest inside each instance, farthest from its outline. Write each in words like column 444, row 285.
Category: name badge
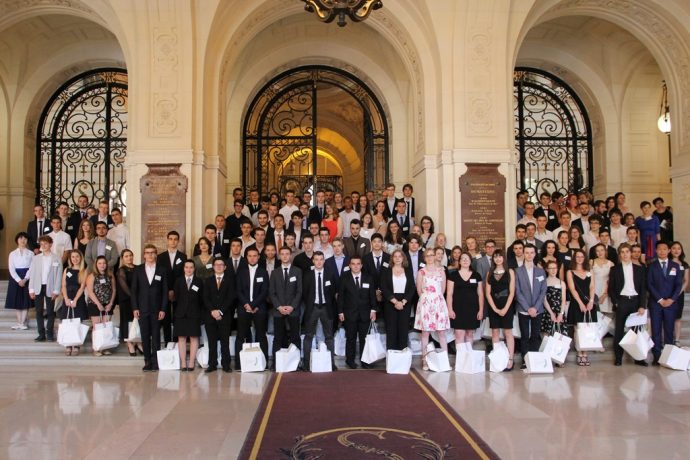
column 46, row 230
column 260, row 279
column 552, row 217
column 157, row 277
column 346, row 269
column 226, row 241
column 311, row 268
column 540, row 278
column 101, row 281
column 217, row 255
column 56, row 264
column 362, row 245
column 195, row 288
column 567, row 257
column 406, row 229
column 365, row 285
column 70, row 227
column 672, row 272
column 108, row 248
column 682, row 268
column 589, row 275
column 473, row 281
column 385, row 264
column 69, row 274
column 293, row 279
column 110, row 225
column 422, row 265
column 178, row 261
column 209, row 266
column 327, row 283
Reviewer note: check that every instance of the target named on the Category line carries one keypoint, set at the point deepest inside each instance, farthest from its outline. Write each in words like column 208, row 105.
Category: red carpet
column 358, row 415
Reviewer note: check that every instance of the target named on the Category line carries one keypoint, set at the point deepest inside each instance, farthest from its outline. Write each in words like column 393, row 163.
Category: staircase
column 19, row 348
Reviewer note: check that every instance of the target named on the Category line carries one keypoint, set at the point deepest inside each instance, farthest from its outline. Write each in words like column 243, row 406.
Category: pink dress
column 432, row 311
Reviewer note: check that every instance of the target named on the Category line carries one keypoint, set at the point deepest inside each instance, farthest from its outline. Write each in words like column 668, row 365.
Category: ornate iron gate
column 82, row 141
column 552, row 134
column 281, row 126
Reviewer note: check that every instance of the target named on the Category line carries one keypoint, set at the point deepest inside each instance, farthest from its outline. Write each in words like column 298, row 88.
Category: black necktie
column 40, row 228
column 409, row 208
column 189, row 283
column 378, row 263
column 320, row 288
column 663, row 267
column 401, row 221
column 235, row 261
column 286, row 276
column 357, row 281
column 321, row 212
column 83, row 214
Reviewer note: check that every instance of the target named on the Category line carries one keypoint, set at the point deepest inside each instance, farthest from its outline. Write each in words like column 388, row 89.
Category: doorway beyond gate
column 315, row 127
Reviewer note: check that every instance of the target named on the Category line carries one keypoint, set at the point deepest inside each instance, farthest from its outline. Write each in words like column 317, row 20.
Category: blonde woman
column 73, row 286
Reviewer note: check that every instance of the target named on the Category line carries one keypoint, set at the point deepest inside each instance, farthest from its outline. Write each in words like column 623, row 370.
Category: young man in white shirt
column 542, row 234
column 529, row 214
column 618, row 230
column 591, row 237
column 348, row 214
column 119, row 233
column 290, row 206
column 62, row 243
column 565, row 222
column 322, row 244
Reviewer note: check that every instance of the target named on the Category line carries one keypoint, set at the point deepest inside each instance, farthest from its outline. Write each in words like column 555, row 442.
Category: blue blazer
column 527, row 297
column 664, row 286
column 331, row 266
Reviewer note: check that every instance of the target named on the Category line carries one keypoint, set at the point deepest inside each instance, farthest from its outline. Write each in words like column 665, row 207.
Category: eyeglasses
column 150, row 252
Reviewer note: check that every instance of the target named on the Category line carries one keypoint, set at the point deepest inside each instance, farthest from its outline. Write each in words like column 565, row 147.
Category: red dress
column 332, row 226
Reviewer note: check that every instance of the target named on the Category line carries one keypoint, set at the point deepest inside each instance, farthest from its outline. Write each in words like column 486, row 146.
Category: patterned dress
column 554, row 297
column 102, row 289
column 432, row 311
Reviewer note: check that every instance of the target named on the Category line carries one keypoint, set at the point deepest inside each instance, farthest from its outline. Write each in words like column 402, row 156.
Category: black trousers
column 624, row 308
column 150, row 335
column 354, row 329
column 280, row 324
column 167, row 324
column 43, row 300
column 397, row 325
column 218, row 330
column 318, row 314
column 529, row 330
column 244, row 332
column 126, row 316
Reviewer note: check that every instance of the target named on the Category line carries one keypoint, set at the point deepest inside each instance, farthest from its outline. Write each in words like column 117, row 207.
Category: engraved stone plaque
column 163, row 204
column 482, row 203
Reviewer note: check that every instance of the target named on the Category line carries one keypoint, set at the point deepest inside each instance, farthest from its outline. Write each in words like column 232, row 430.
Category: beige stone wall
column 442, row 69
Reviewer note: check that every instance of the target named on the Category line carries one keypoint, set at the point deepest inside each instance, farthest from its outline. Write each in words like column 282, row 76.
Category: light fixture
column 328, row 10
column 664, row 122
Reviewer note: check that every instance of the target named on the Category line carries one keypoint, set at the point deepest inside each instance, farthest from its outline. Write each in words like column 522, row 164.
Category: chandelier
column 664, row 122
column 328, row 10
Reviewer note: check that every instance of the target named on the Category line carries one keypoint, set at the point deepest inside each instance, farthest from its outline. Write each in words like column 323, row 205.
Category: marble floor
column 96, row 411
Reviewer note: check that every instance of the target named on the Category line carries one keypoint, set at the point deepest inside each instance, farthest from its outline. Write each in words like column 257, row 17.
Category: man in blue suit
column 530, row 291
column 665, row 286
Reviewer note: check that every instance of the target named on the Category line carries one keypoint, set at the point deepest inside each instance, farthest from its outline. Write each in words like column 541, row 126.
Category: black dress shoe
column 147, row 367
column 40, row 338
column 618, row 362
column 183, row 369
column 351, row 365
column 210, row 369
column 154, row 367
column 334, row 368
column 523, row 365
column 227, row 370
column 656, row 362
column 367, row 366
column 305, row 369
column 642, row 363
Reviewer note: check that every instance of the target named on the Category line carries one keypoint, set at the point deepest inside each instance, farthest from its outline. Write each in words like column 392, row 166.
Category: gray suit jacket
column 110, row 254
column 54, row 282
column 527, row 297
column 288, row 292
column 483, row 265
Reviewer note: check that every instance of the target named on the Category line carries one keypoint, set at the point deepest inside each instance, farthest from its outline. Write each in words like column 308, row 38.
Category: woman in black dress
column 100, row 284
column 500, row 292
column 84, row 235
column 581, row 290
column 465, row 299
column 398, row 290
column 124, row 281
column 73, row 286
column 189, row 302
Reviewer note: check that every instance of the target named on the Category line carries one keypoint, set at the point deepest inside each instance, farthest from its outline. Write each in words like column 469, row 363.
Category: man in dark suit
column 222, row 242
column 356, row 308
column 235, row 261
column 483, row 264
column 545, row 210
column 210, row 234
column 219, row 305
column 408, row 199
column 286, row 297
column 318, row 291
column 627, row 290
column 149, row 297
column 414, row 254
column 665, row 286
column 103, row 215
column 234, row 221
column 355, row 244
column 338, row 263
column 318, row 212
column 77, row 216
column 252, row 295
column 262, row 220
column 401, row 217
column 374, row 262
column 605, row 240
column 303, row 260
column 390, row 200
column 173, row 262
column 37, row 228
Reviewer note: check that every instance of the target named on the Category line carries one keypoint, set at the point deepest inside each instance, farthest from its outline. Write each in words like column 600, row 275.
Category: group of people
column 292, row 263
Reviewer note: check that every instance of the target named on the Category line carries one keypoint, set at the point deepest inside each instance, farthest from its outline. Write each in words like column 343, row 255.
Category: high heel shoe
column 512, row 365
column 425, row 366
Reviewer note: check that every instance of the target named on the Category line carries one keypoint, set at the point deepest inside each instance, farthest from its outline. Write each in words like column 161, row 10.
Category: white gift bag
column 71, row 332
column 538, row 363
column 498, row 358
column 469, row 361
column 398, row 361
column 134, row 331
column 437, row 360
column 516, row 327
column 252, row 359
column 169, row 358
column 603, row 325
column 556, row 346
column 320, row 359
column 373, row 348
column 287, row 359
column 339, row 342
column 587, row 337
column 634, row 319
column 636, row 344
column 675, row 358
column 105, row 336
column 415, row 343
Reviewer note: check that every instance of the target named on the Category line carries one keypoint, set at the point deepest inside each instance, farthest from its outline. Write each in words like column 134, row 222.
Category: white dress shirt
column 150, row 272
column 120, row 235
column 252, row 274
column 19, row 258
column 629, row 284
column 61, row 243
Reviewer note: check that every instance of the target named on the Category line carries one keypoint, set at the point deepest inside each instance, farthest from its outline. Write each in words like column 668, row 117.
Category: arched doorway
column 315, row 127
column 553, row 135
column 82, row 141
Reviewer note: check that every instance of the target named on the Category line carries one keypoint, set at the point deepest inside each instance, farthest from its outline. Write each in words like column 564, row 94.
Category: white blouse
column 20, row 258
column 399, row 283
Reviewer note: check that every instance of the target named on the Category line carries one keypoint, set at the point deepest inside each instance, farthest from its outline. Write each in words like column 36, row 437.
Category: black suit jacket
column 330, row 289
column 551, row 217
column 261, row 284
column 314, row 215
column 406, row 227
column 369, row 266
column 611, row 254
column 232, row 225
column 388, row 212
column 387, row 286
column 94, row 221
column 617, row 281
column 303, row 262
column 332, row 266
column 356, row 304
column 411, row 213
column 174, row 271
column 216, row 252
column 420, row 259
column 190, row 302
column 230, row 266
column 148, row 298
column 270, row 237
column 222, row 245
column 286, row 292
column 361, row 248
column 32, row 230
column 73, row 223
column 222, row 298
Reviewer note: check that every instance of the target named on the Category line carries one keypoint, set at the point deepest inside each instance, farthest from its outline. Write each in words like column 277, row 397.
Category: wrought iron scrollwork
column 553, row 135
column 82, row 141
